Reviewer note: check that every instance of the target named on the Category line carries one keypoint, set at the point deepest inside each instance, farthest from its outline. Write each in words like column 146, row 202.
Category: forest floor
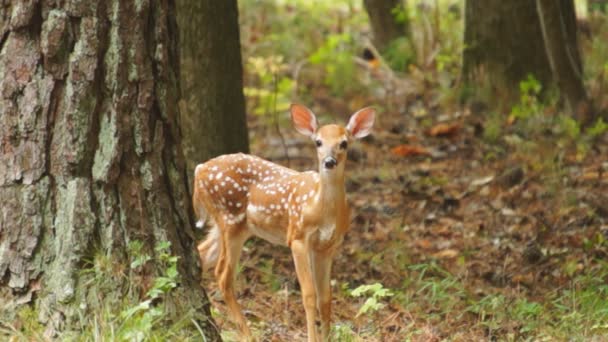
column 476, row 238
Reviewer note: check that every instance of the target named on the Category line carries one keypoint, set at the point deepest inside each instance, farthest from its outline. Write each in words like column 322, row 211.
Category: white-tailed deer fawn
column 244, row 195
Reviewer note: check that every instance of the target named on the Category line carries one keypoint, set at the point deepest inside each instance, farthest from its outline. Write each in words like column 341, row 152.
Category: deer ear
column 360, row 123
column 303, row 119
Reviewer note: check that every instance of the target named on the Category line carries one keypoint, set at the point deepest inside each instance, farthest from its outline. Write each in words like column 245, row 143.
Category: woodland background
column 480, row 202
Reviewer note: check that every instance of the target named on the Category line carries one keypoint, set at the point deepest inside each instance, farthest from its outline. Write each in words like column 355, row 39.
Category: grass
column 116, row 313
column 577, row 312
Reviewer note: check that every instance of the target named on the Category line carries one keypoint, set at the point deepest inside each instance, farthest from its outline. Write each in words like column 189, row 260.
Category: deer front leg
column 321, row 267
column 301, row 258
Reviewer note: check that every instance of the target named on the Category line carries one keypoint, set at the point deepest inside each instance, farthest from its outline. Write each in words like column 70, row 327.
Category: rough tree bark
column 90, row 155
column 503, row 44
column 558, row 23
column 382, row 19
column 213, row 110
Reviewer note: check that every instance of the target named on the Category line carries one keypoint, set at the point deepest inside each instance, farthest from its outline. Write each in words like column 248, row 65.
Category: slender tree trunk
column 558, row 23
column 503, row 44
column 213, row 109
column 383, row 21
column 90, row 155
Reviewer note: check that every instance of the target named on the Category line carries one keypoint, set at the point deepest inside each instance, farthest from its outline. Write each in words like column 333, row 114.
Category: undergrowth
column 117, row 314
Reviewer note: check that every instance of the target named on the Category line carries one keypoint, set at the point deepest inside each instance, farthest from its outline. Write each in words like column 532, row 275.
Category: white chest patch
column 326, row 231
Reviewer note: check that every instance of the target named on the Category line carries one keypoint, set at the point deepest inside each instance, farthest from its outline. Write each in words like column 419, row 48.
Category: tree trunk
column 558, row 23
column 503, row 44
column 384, row 25
column 213, row 110
column 90, row 155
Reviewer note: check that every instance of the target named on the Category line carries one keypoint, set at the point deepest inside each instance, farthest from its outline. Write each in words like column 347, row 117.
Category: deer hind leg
column 209, row 249
column 301, row 257
column 232, row 237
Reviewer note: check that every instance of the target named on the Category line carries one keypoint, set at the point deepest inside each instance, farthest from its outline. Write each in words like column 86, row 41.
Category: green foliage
column 138, row 321
column 116, row 314
column 30, row 328
column 579, row 311
column 570, row 127
column 139, row 258
column 375, row 292
column 269, row 276
column 583, row 304
column 315, row 40
column 399, row 54
column 529, row 101
column 335, row 55
column 598, row 128
column 343, row 332
column 272, row 89
column 441, row 291
column 401, row 14
column 493, row 127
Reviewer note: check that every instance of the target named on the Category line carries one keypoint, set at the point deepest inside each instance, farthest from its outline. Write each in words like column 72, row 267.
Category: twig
column 275, row 115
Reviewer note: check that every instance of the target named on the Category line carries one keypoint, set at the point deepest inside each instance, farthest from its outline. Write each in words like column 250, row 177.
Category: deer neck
column 332, row 195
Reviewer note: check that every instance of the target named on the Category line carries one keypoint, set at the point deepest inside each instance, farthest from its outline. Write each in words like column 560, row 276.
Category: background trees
column 388, row 20
column 558, row 23
column 503, row 43
column 213, row 106
column 506, row 41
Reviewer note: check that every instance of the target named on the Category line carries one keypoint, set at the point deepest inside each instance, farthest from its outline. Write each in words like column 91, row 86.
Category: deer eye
column 343, row 145
column 318, row 142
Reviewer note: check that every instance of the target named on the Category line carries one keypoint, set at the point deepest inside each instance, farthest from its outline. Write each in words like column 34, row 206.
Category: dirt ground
column 447, row 209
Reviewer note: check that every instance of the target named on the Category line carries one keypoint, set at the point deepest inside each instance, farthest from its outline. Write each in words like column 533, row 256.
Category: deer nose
column 330, row 162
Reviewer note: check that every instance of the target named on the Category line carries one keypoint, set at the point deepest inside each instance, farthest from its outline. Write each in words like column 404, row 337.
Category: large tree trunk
column 90, row 155
column 213, row 110
column 503, row 44
column 558, row 23
column 385, row 27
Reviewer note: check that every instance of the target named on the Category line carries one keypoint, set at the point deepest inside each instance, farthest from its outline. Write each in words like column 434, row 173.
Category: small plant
column 493, row 127
column 399, row 54
column 269, row 275
column 139, row 258
column 599, row 128
column 273, row 88
column 375, row 292
column 343, row 332
column 529, row 103
column 491, row 311
column 141, row 318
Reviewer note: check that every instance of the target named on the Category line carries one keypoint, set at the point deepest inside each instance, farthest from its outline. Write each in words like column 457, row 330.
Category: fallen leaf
column 424, row 243
column 411, row 137
column 446, row 254
column 525, row 279
column 444, row 130
column 507, row 212
column 482, row 181
column 410, row 150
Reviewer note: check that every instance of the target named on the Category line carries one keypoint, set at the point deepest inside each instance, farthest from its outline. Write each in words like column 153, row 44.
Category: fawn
column 244, row 195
